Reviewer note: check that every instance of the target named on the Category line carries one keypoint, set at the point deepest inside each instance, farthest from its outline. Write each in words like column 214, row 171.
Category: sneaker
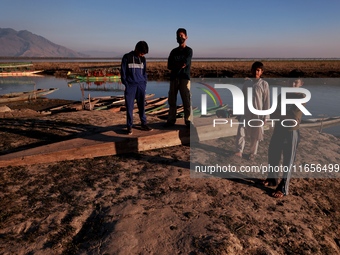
column 238, row 154
column 145, row 128
column 129, row 131
column 252, row 156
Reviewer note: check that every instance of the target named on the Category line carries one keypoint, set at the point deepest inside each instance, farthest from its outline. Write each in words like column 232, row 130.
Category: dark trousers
column 183, row 86
column 131, row 93
column 284, row 143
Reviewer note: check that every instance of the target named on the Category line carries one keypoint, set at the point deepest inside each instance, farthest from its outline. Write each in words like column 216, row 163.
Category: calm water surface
column 325, row 92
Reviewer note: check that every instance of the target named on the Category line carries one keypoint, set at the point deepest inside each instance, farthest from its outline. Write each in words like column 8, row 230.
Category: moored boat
column 18, row 69
column 96, row 74
column 210, row 110
column 164, row 113
column 150, row 105
column 117, row 102
column 27, row 95
column 97, row 78
column 319, row 122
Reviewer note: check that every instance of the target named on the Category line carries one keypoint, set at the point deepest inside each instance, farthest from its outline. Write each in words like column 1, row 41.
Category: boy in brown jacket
column 285, row 140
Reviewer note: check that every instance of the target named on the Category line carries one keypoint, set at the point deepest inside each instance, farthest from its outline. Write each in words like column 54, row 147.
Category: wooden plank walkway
column 101, row 144
column 116, row 142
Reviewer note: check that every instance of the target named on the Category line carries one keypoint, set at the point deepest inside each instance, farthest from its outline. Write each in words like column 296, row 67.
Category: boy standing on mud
column 260, row 100
column 179, row 63
column 134, row 78
column 285, row 140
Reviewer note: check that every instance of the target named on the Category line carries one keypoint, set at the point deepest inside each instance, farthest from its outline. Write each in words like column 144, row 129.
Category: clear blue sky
column 250, row 29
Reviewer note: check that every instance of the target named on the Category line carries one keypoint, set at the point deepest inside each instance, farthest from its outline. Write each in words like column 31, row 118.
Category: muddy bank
column 212, row 69
column 148, row 203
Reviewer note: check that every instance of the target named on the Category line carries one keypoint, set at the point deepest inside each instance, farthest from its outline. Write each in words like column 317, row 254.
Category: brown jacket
column 292, row 112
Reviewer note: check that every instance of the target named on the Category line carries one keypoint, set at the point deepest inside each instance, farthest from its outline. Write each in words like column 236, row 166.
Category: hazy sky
column 248, row 29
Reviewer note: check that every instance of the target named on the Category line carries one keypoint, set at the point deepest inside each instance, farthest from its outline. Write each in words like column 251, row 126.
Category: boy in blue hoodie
column 134, row 78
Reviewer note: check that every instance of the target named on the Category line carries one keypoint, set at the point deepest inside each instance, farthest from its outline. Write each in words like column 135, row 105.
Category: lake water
column 325, row 92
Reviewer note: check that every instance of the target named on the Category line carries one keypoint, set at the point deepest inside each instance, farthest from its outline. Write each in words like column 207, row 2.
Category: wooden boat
column 16, row 81
column 96, row 74
column 154, row 104
column 165, row 111
column 210, row 110
column 108, row 98
column 18, row 69
column 22, row 96
column 151, row 108
column 156, row 101
column 112, row 103
column 98, row 78
column 320, row 122
column 75, row 106
column 150, row 105
column 101, row 105
column 117, row 102
column 179, row 114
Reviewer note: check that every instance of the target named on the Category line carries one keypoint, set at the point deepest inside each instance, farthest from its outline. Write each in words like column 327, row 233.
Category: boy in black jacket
column 179, row 63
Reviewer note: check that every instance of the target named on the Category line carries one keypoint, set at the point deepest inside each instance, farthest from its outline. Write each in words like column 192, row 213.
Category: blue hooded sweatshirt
column 133, row 70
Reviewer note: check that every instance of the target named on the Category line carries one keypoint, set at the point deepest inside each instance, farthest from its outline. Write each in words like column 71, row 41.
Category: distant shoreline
column 210, row 69
column 118, row 59
column 201, row 67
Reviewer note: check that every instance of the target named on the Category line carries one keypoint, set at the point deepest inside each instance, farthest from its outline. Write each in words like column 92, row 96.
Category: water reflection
column 97, row 85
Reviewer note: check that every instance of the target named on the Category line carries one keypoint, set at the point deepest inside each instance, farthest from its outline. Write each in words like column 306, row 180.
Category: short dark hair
column 296, row 73
column 142, row 47
column 181, row 30
column 256, row 65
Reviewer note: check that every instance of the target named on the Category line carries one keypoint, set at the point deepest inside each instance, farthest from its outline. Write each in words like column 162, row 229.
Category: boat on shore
column 27, row 95
column 320, row 122
column 115, row 103
column 96, row 74
column 210, row 111
column 155, row 105
column 112, row 103
column 18, row 69
column 150, row 105
column 15, row 81
column 83, row 78
column 164, row 113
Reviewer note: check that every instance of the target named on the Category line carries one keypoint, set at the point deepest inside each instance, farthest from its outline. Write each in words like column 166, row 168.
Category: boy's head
column 181, row 30
column 141, row 48
column 297, row 83
column 181, row 36
column 257, row 69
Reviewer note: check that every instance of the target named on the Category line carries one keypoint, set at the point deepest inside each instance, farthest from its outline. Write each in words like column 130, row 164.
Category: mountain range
column 26, row 44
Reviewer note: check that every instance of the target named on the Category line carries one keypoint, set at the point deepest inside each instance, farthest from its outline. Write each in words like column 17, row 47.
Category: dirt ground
column 148, row 203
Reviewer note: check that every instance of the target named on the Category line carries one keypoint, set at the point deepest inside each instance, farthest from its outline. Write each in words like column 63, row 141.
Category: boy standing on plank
column 133, row 76
column 179, row 63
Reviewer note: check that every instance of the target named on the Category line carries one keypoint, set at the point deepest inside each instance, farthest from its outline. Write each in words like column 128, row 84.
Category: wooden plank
column 117, row 142
column 103, row 144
